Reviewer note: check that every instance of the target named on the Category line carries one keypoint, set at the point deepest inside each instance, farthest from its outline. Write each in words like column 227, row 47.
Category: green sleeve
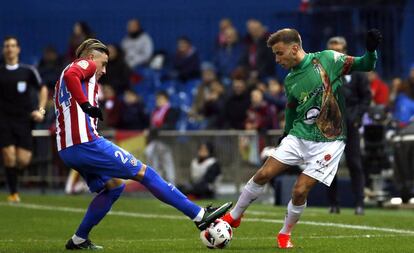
column 290, row 113
column 365, row 63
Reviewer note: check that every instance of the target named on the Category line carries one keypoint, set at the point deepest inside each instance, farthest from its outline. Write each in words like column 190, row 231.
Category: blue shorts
column 99, row 161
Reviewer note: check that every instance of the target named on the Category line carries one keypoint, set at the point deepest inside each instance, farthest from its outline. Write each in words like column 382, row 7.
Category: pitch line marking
column 175, row 217
column 235, row 237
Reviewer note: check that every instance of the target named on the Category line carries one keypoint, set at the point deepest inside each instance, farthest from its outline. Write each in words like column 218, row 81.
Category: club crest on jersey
column 133, row 161
column 311, row 115
column 83, row 64
column 21, row 86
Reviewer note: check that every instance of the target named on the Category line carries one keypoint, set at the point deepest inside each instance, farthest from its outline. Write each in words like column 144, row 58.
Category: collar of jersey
column 305, row 61
column 12, row 67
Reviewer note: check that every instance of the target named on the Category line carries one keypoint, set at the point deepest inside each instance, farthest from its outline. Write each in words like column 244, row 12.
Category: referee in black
column 19, row 84
column 357, row 99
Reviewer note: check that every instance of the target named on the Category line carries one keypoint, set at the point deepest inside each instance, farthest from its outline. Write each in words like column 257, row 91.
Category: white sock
column 292, row 217
column 77, row 240
column 249, row 194
column 199, row 215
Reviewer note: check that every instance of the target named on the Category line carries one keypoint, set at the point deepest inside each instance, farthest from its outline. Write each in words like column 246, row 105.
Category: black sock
column 11, row 175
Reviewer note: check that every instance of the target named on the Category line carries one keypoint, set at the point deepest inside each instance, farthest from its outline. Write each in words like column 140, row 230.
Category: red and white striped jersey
column 77, row 85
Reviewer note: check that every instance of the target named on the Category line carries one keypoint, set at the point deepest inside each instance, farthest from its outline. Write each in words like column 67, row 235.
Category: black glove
column 92, row 111
column 374, row 37
column 281, row 138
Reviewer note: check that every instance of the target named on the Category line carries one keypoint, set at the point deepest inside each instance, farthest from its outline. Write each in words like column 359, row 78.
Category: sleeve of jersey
column 290, row 113
column 365, row 63
column 36, row 79
column 78, row 72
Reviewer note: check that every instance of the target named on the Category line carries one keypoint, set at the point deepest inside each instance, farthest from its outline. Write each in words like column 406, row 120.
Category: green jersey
column 315, row 107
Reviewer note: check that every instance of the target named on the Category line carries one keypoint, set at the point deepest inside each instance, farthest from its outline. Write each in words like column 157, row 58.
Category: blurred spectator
column 213, row 105
column 137, row 45
column 207, row 91
column 225, row 23
column 357, row 96
column 396, row 88
column 81, row 32
column 118, row 73
column 228, row 54
column 112, row 105
column 379, row 89
column 164, row 116
column 257, row 57
column 50, row 66
column 208, row 102
column 236, row 105
column 205, row 171
column 403, row 104
column 159, row 155
column 260, row 115
column 410, row 81
column 275, row 94
column 133, row 112
column 186, row 62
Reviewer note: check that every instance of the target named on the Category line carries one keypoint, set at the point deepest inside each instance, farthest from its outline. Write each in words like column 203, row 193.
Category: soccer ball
column 217, row 235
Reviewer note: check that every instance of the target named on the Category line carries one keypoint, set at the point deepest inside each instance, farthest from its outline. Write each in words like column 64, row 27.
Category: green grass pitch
column 43, row 223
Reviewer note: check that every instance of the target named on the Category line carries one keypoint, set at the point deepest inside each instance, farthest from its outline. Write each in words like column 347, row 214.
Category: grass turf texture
column 45, row 223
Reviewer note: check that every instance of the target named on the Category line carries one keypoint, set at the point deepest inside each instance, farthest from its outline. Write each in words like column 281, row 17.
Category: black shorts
column 16, row 132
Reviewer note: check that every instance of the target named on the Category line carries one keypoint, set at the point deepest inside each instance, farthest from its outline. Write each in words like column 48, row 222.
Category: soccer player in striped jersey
column 100, row 162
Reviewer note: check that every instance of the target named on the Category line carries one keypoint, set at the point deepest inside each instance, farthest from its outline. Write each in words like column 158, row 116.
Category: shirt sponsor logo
column 83, row 64
column 21, row 86
column 327, row 157
column 311, row 115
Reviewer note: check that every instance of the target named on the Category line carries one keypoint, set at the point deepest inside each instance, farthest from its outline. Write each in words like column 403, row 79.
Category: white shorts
column 319, row 159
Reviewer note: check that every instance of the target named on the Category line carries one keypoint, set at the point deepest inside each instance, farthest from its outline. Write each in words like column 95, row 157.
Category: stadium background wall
column 41, row 23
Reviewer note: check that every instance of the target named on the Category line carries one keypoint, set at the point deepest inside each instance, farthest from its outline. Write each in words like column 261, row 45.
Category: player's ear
column 295, row 49
column 90, row 56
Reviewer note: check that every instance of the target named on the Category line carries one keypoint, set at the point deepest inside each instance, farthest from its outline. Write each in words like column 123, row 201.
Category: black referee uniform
column 19, row 86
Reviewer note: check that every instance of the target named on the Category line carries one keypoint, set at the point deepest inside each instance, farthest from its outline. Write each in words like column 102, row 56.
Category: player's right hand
column 92, row 111
column 374, row 38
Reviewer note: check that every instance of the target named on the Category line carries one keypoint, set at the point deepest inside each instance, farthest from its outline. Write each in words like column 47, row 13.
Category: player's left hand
column 37, row 116
column 374, row 38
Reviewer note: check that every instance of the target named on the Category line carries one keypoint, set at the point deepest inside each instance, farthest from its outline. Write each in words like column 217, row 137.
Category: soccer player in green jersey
column 315, row 127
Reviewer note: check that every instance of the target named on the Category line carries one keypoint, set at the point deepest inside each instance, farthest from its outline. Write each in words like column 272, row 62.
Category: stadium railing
column 237, row 152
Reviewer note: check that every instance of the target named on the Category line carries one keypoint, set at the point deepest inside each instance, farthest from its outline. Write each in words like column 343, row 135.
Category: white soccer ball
column 218, row 235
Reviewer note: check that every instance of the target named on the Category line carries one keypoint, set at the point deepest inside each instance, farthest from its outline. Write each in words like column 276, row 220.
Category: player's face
column 337, row 47
column 285, row 54
column 11, row 49
column 101, row 60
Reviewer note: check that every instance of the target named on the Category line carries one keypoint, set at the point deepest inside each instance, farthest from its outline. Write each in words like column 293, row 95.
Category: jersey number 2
column 123, row 159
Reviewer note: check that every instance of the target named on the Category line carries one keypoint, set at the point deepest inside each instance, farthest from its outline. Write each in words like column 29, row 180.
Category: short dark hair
column 185, row 39
column 286, row 35
column 91, row 44
column 337, row 40
column 11, row 37
column 163, row 94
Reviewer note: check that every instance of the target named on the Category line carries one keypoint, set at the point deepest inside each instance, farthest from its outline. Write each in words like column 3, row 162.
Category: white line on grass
column 174, row 217
column 236, row 237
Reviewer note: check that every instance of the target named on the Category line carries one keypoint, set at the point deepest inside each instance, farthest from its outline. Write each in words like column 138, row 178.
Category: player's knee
column 118, row 190
column 23, row 162
column 262, row 177
column 9, row 161
column 141, row 173
column 300, row 193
